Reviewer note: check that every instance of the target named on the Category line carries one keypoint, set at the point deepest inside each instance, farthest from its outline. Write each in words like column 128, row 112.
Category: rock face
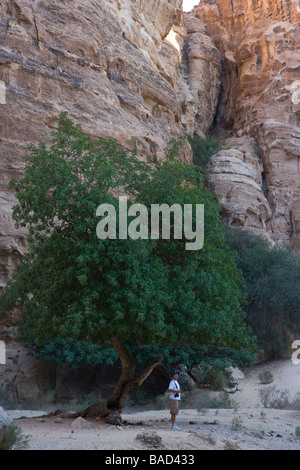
column 259, row 44
column 199, row 82
column 80, row 59
column 24, row 378
column 237, row 174
column 145, row 24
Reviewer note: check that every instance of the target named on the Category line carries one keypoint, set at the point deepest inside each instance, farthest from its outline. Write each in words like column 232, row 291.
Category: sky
column 189, row 4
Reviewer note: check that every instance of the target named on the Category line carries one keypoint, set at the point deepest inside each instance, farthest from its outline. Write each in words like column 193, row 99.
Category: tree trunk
column 116, row 400
column 113, row 406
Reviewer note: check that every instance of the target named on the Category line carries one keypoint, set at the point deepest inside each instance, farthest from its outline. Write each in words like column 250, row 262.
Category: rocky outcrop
column 199, row 81
column 145, row 24
column 259, row 43
column 23, row 378
column 237, row 174
column 79, row 58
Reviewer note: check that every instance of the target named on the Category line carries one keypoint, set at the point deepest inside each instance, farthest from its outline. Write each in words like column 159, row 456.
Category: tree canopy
column 72, row 285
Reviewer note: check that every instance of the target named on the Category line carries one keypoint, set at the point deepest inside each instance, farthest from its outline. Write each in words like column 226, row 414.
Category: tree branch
column 139, row 380
column 128, row 362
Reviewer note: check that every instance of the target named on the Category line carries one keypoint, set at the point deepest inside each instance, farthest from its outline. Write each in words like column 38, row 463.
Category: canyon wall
column 259, row 42
column 114, row 66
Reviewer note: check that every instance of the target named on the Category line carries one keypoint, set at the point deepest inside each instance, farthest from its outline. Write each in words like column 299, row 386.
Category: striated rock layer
column 260, row 98
column 199, row 82
column 118, row 67
column 58, row 56
column 237, row 174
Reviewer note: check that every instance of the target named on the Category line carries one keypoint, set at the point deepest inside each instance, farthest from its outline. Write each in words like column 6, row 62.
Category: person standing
column 174, row 398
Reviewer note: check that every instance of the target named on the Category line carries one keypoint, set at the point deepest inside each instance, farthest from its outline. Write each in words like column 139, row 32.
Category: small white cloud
column 188, row 5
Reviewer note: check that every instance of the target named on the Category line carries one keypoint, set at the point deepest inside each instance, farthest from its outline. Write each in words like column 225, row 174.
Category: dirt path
column 217, row 429
column 249, row 426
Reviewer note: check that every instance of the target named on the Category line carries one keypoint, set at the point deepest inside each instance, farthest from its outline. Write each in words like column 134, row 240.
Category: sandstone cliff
column 79, row 59
column 114, row 66
column 259, row 42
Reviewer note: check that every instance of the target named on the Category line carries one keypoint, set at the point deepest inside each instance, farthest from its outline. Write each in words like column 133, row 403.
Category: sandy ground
column 249, row 425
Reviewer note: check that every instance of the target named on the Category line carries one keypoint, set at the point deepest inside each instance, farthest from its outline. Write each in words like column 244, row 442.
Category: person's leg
column 174, row 413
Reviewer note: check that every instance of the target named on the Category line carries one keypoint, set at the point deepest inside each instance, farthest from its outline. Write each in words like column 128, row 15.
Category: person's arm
column 174, row 390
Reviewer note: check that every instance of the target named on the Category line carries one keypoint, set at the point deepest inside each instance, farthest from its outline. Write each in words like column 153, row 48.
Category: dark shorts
column 174, row 406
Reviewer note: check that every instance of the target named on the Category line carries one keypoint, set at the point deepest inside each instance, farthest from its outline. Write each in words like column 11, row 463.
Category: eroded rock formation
column 54, row 57
column 199, row 82
column 260, row 45
column 237, row 174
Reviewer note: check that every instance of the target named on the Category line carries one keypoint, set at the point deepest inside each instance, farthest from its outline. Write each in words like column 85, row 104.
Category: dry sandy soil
column 249, row 425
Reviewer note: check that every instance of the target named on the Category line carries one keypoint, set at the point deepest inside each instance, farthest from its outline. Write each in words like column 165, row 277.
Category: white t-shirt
column 174, row 385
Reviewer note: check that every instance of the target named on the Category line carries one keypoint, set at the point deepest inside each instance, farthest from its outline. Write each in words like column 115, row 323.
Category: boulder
column 235, row 374
column 81, row 423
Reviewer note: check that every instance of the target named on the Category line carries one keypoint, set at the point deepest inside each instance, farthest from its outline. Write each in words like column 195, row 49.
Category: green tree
column 74, row 286
column 272, row 278
column 203, row 149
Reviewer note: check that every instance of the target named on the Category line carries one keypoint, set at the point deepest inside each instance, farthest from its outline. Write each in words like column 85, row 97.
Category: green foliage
column 221, row 401
column 203, row 149
column 272, row 277
column 236, row 424
column 77, row 289
column 69, row 351
column 265, row 377
column 192, row 355
column 229, row 445
column 271, row 397
column 14, row 439
column 216, row 377
column 76, row 353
